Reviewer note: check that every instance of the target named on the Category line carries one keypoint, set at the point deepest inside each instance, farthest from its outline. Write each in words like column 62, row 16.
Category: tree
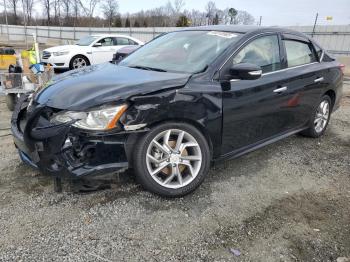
column 216, row 19
column 232, row 14
column 89, row 7
column 118, row 21
column 13, row 4
column 110, row 10
column 244, row 18
column 47, row 9
column 136, row 23
column 178, row 5
column 127, row 22
column 145, row 23
column 211, row 9
column 182, row 22
column 28, row 8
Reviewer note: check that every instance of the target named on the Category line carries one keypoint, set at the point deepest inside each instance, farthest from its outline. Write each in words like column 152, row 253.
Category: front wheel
column 172, row 159
column 320, row 118
column 78, row 61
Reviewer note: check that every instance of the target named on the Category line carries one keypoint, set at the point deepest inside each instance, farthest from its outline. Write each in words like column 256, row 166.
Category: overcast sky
column 273, row 12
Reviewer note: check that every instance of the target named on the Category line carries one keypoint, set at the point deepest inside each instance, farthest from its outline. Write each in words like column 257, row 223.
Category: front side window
column 299, row 53
column 108, row 41
column 183, row 51
column 263, row 52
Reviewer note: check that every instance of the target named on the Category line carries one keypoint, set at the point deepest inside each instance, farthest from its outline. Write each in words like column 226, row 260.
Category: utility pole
column 7, row 23
column 314, row 28
column 260, row 20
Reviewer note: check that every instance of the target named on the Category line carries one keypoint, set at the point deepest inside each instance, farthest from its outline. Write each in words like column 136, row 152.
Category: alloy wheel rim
column 322, row 115
column 173, row 158
column 79, row 63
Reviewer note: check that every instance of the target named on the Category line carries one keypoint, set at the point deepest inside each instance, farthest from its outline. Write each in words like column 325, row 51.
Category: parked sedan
column 90, row 50
column 183, row 101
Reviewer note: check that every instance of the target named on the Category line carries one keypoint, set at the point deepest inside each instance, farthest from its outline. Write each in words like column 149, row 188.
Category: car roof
column 243, row 29
column 107, row 35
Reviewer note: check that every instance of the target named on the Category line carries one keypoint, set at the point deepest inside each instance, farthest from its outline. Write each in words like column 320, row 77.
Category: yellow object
column 30, row 55
column 6, row 61
column 329, row 18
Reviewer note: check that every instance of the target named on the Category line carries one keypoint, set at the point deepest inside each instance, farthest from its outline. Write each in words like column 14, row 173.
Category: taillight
column 342, row 68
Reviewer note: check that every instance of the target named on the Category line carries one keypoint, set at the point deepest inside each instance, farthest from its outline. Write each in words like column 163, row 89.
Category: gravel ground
column 286, row 202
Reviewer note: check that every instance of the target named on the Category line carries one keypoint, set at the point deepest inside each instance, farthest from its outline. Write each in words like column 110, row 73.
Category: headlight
column 101, row 119
column 66, row 52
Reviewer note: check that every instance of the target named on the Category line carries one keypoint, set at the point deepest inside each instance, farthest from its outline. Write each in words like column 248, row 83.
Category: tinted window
column 298, row 53
column 263, row 52
column 108, row 41
column 123, row 41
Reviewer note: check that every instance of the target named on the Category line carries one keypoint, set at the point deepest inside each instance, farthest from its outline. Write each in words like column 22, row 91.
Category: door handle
column 320, row 79
column 281, row 89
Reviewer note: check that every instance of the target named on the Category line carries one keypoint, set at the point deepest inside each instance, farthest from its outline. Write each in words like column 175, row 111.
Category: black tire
column 71, row 66
column 139, row 158
column 11, row 100
column 311, row 130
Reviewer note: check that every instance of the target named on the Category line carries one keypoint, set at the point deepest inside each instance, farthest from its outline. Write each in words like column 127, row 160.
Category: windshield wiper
column 148, row 68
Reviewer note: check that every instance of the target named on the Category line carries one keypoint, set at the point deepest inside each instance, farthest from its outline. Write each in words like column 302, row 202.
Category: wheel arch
column 133, row 138
column 331, row 93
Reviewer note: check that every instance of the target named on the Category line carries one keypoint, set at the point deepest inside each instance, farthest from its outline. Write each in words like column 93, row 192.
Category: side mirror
column 97, row 45
column 246, row 71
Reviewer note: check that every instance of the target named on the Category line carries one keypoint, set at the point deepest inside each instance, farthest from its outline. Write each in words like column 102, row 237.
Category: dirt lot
column 286, row 202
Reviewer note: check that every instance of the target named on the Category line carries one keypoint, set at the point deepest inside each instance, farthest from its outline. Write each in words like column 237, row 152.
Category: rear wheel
column 320, row 118
column 78, row 61
column 11, row 100
column 172, row 159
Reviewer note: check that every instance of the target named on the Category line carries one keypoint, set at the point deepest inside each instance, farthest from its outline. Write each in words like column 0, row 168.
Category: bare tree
column 244, row 18
column 28, row 6
column 178, row 5
column 66, row 5
column 47, row 4
column 210, row 9
column 89, row 7
column 110, row 10
column 14, row 4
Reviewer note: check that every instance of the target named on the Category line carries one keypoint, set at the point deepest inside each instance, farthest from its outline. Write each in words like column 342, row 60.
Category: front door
column 256, row 110
column 104, row 52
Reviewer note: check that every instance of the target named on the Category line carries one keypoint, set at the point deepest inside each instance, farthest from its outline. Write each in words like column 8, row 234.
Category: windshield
column 86, row 41
column 185, row 51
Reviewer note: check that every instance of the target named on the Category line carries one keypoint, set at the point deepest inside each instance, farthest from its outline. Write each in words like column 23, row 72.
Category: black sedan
column 179, row 103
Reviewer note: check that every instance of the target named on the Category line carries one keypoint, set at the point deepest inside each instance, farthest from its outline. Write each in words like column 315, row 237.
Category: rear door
column 304, row 77
column 256, row 110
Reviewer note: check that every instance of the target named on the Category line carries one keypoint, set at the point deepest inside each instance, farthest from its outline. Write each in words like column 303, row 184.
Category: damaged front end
column 62, row 150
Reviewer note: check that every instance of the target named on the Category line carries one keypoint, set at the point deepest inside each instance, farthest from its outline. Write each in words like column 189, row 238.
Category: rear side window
column 131, row 42
column 263, row 52
column 123, row 41
column 299, row 53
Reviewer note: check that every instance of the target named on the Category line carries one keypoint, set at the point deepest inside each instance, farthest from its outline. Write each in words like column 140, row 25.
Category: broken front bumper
column 62, row 150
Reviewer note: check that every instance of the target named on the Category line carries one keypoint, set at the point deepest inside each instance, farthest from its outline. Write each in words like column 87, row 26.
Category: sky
column 273, row 12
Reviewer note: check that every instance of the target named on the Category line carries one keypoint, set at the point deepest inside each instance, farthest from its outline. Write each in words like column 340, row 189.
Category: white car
column 93, row 49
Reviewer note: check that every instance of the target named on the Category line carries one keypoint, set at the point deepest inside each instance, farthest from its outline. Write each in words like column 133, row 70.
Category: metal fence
column 335, row 39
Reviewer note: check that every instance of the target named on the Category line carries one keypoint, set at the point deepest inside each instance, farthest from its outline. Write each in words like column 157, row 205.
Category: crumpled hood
column 99, row 84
